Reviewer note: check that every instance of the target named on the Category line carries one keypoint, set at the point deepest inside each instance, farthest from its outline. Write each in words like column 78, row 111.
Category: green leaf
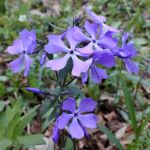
column 129, row 104
column 5, row 143
column 69, row 144
column 63, row 73
column 110, row 136
column 3, row 78
column 23, row 121
column 46, row 106
column 53, row 114
column 31, row 140
column 2, row 104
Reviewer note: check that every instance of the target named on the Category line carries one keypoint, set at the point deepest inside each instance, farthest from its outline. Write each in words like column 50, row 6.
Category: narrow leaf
column 110, row 136
column 129, row 104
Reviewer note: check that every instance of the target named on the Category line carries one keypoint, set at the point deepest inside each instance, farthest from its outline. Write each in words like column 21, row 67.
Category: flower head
column 126, row 52
column 77, row 119
column 56, row 45
column 23, row 46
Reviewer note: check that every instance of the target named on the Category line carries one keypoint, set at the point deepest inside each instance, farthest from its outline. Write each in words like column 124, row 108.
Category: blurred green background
column 18, row 107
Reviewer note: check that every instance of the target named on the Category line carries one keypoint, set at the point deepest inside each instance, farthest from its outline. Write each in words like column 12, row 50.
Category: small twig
column 54, row 26
column 70, row 81
column 74, row 144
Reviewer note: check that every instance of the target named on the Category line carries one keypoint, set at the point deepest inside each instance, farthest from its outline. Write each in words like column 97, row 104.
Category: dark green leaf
column 31, row 140
column 110, row 136
column 129, row 104
column 5, row 143
column 69, row 144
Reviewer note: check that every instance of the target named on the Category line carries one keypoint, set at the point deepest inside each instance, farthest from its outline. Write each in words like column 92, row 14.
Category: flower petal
column 16, row 48
column 87, row 50
column 88, row 120
column 55, row 45
column 69, row 104
column 91, row 28
column 58, row 64
column 108, row 41
column 63, row 120
column 75, row 129
column 70, row 37
column 104, row 58
column 80, row 66
column 131, row 66
column 86, row 105
column 28, row 39
column 95, row 17
column 16, row 64
column 84, row 77
column 97, row 74
column 28, row 62
column 55, row 135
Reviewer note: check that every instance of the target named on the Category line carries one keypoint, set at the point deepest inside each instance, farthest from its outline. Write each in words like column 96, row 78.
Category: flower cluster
column 91, row 50
column 76, row 120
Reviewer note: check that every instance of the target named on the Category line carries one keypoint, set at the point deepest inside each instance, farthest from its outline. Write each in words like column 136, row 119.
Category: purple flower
column 35, row 90
column 98, row 39
column 56, row 45
column 126, row 52
column 100, row 20
column 77, row 119
column 55, row 135
column 23, row 46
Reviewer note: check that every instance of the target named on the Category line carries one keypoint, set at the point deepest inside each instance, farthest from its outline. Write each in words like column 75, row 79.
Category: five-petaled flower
column 126, row 52
column 56, row 45
column 23, row 46
column 77, row 119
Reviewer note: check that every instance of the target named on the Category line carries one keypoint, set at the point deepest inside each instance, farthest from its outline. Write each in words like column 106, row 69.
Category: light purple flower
column 35, row 90
column 23, row 46
column 98, row 39
column 55, row 135
column 126, row 52
column 100, row 20
column 56, row 45
column 77, row 119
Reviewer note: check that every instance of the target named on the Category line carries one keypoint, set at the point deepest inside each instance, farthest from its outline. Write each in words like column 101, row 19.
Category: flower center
column 94, row 41
column 75, row 115
column 71, row 52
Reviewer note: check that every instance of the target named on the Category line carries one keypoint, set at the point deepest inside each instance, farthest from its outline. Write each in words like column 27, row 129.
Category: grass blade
column 129, row 104
column 111, row 136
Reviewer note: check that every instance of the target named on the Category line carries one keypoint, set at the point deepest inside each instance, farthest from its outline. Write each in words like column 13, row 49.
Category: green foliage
column 110, row 136
column 13, row 123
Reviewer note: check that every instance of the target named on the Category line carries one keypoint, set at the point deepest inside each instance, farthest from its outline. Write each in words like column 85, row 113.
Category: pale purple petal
column 16, row 64
column 58, row 64
column 86, row 105
column 95, row 17
column 104, row 58
column 28, row 62
column 43, row 59
column 70, row 37
column 79, row 36
column 55, row 45
column 84, row 77
column 109, row 28
column 80, row 66
column 131, row 66
column 124, row 39
column 88, row 120
column 63, row 120
column 55, row 135
column 108, row 41
column 28, row 39
column 97, row 74
column 75, row 129
column 87, row 50
column 16, row 48
column 91, row 28
column 69, row 104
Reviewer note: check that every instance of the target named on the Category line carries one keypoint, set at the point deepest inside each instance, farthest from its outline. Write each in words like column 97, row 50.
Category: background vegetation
column 124, row 106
